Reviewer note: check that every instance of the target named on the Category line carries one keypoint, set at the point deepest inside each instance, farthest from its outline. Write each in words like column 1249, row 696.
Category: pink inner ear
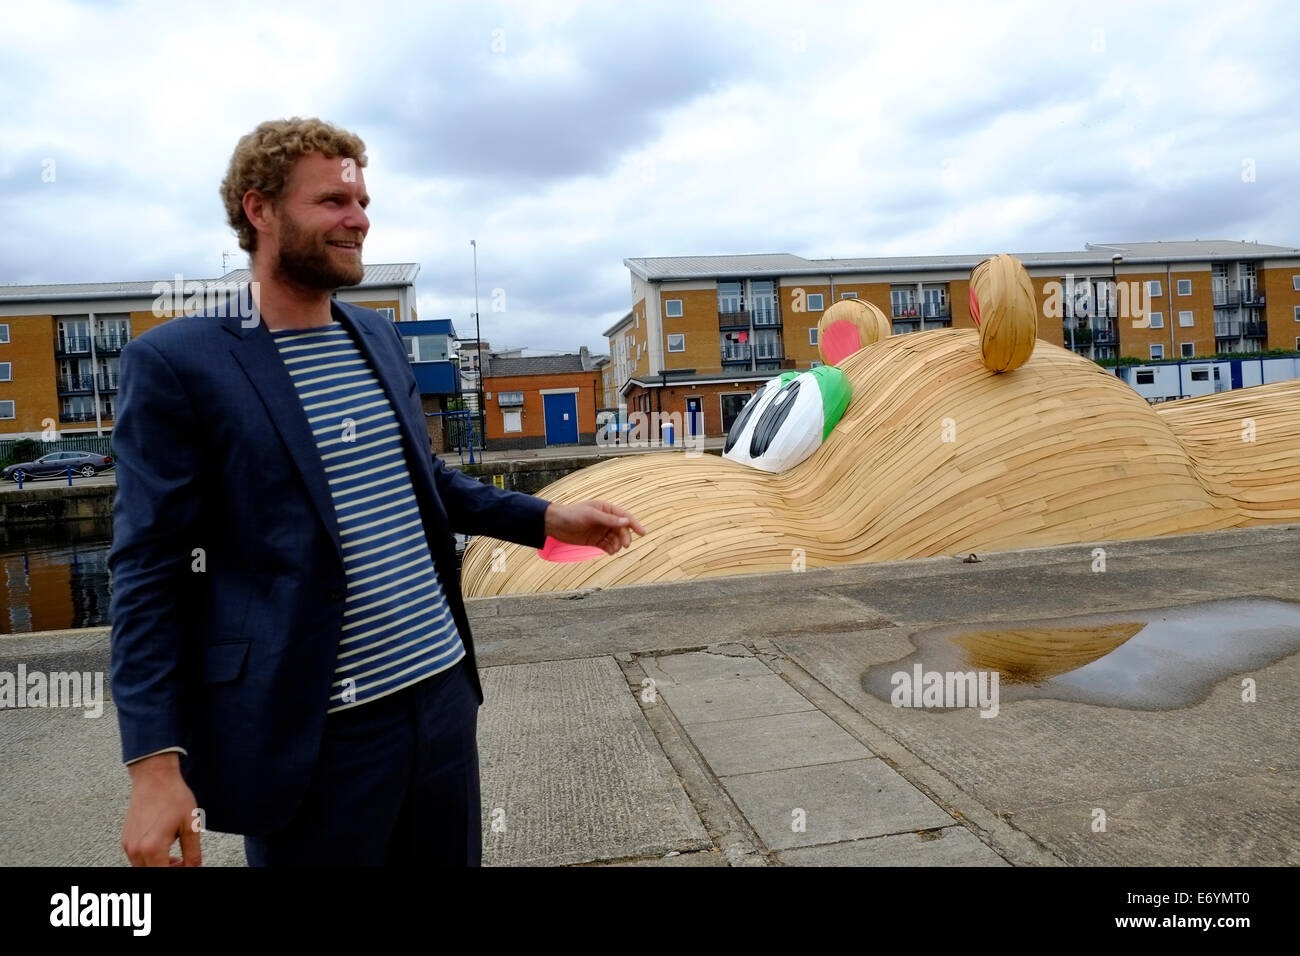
column 562, row 553
column 974, row 307
column 840, row 340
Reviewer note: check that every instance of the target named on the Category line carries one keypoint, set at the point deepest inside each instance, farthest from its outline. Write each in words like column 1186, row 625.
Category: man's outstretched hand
column 597, row 524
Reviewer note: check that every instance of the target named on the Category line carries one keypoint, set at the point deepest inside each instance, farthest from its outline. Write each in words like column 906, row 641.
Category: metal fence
column 87, row 443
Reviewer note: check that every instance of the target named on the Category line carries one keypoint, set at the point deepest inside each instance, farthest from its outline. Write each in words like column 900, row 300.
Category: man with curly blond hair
column 291, row 659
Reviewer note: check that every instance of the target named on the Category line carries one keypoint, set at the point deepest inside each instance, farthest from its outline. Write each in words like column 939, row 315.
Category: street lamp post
column 478, row 354
column 1115, row 260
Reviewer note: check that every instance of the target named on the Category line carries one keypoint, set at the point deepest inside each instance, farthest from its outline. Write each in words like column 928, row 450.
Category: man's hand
column 597, row 524
column 161, row 811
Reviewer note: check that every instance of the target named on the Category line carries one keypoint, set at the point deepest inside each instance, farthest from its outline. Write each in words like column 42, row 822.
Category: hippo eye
column 788, row 420
column 752, row 408
column 773, row 417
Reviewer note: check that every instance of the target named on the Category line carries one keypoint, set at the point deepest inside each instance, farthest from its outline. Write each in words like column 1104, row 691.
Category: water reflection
column 55, row 576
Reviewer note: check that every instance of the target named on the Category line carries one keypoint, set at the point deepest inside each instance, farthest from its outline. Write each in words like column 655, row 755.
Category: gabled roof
column 534, row 365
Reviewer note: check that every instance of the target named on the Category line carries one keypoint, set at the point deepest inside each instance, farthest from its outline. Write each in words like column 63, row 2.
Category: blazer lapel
column 256, row 353
column 414, row 434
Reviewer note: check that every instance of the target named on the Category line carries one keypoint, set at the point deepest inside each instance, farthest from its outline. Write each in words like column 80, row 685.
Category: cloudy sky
column 565, row 137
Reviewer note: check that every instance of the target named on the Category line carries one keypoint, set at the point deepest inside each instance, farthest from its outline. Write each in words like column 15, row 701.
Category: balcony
column 766, row 318
column 1255, row 330
column 737, row 354
column 1227, row 330
column 916, row 311
column 1105, row 337
column 71, row 344
column 76, row 416
column 69, row 384
column 1252, row 298
column 107, row 381
column 111, row 342
column 733, row 320
column 769, row 353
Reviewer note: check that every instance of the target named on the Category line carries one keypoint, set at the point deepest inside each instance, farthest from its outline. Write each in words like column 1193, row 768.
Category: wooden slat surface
column 1054, row 452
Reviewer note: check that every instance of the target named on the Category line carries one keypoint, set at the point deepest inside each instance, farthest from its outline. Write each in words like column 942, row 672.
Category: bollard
column 69, row 476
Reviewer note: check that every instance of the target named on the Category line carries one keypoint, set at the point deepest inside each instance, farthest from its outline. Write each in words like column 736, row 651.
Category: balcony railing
column 768, row 353
column 65, row 344
column 1252, row 298
column 921, row 310
column 111, row 343
column 733, row 320
column 1227, row 330
column 1105, row 337
column 77, row 416
column 737, row 353
column 766, row 318
column 1255, row 330
column 107, row 381
column 76, row 383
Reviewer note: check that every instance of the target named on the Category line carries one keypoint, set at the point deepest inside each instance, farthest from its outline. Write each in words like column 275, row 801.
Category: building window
column 673, row 308
column 1154, row 288
column 1146, row 376
column 815, row 302
column 1157, row 320
column 1297, row 312
column 816, row 364
column 510, row 398
column 1184, row 286
column 1200, row 375
column 1188, row 349
column 812, row 336
column 7, row 409
column 848, row 295
column 1186, row 320
column 728, row 297
column 512, row 420
column 1295, row 284
column 677, row 343
column 6, row 371
column 389, row 314
column 4, row 334
column 1157, row 351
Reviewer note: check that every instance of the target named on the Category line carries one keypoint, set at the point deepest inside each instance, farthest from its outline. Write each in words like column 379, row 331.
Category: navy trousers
column 397, row 784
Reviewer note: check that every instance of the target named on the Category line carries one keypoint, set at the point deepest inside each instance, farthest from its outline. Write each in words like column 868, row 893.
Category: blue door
column 694, row 416
column 561, row 418
column 1236, row 373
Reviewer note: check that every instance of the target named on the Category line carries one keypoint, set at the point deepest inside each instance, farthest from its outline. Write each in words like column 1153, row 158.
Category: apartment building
column 704, row 331
column 60, row 344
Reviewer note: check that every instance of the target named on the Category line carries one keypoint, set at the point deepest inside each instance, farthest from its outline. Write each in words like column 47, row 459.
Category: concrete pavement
column 739, row 721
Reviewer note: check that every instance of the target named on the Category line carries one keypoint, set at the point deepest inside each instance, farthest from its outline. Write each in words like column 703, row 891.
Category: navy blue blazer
column 227, row 572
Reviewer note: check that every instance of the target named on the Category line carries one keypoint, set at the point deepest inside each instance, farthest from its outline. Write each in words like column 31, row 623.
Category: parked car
column 56, row 464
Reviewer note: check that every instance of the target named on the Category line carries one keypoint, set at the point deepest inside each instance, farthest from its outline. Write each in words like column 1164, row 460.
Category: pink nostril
column 840, row 340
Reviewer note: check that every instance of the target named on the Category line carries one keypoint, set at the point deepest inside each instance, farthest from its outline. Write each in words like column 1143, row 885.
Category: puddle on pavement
column 1159, row 659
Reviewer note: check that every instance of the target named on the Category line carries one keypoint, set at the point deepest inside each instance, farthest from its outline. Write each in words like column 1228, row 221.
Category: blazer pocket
column 223, row 663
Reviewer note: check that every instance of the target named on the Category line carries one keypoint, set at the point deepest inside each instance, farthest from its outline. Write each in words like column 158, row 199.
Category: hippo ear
column 847, row 326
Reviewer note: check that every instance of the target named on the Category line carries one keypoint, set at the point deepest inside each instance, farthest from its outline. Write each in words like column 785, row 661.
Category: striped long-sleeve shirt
column 397, row 626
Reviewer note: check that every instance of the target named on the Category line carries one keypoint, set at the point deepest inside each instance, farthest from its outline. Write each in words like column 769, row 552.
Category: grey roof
column 1094, row 254
column 534, row 365
column 381, row 274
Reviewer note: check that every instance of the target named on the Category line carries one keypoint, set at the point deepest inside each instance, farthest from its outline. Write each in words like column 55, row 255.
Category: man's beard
column 310, row 265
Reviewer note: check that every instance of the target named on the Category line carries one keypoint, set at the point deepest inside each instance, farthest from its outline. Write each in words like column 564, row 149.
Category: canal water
column 55, row 576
